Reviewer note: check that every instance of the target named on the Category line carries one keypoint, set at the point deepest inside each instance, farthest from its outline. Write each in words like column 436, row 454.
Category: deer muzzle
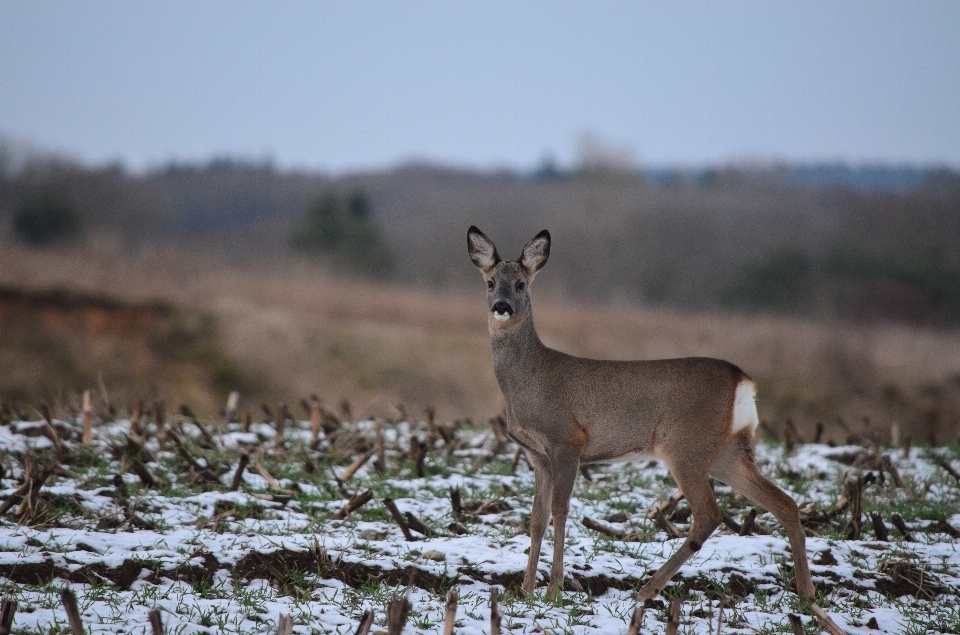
column 502, row 311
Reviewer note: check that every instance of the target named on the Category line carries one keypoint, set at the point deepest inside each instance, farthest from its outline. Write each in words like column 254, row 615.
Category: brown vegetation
column 284, row 332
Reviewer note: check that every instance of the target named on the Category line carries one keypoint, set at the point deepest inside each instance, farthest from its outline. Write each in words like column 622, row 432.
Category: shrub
column 779, row 280
column 46, row 219
column 917, row 285
column 344, row 232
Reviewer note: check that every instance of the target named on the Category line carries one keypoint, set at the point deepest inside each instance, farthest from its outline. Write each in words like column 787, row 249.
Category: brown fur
column 565, row 411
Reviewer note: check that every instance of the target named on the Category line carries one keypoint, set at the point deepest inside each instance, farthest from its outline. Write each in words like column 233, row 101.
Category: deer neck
column 517, row 354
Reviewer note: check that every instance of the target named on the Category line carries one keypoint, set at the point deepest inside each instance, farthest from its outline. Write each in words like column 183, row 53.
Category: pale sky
column 339, row 86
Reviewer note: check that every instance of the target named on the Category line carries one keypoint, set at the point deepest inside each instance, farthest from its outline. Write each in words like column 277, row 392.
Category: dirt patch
column 54, row 341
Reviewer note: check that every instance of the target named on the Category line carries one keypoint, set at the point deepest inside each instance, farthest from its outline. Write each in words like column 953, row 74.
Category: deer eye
column 521, row 285
column 490, row 283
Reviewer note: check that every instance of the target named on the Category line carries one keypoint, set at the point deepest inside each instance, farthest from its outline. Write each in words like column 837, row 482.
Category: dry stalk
column 200, row 472
column 455, row 503
column 73, row 613
column 450, row 615
column 947, row 528
column 352, row 505
column 855, row 494
column 315, row 414
column 192, row 418
column 156, row 624
column 159, row 417
column 901, row 527
column 104, row 396
column 879, row 528
column 274, row 483
column 589, row 523
column 283, row 414
column 238, row 475
column 136, row 425
column 148, row 478
column 365, row 623
column 398, row 518
column 826, row 621
column 673, row 620
column 397, row 612
column 35, row 478
column 886, row 465
column 636, row 620
column 50, row 430
column 423, row 449
column 790, row 436
column 499, row 426
column 418, row 525
column 285, row 625
column 381, row 464
column 947, row 468
column 747, row 525
column 87, row 418
column 8, row 608
column 494, row 611
column 666, row 525
column 267, row 412
column 356, row 465
column 662, row 508
column 430, row 414
column 233, row 400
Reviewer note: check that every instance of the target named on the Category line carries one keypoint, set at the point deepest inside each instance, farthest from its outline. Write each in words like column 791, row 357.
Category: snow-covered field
column 215, row 560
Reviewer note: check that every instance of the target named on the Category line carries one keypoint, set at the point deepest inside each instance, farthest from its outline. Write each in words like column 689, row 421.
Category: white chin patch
column 501, row 317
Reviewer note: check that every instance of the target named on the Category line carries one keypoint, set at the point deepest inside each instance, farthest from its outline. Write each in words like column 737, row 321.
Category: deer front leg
column 539, row 517
column 563, row 472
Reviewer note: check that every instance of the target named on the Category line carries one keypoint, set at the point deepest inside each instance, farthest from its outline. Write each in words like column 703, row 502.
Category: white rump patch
column 501, row 317
column 745, row 407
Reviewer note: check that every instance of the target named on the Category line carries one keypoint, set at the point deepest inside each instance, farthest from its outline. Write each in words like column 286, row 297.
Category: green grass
column 615, row 488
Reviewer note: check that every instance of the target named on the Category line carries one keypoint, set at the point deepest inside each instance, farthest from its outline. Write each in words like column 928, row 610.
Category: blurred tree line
column 772, row 238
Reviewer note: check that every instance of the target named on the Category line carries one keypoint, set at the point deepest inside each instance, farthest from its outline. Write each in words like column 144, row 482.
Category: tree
column 45, row 219
column 344, row 232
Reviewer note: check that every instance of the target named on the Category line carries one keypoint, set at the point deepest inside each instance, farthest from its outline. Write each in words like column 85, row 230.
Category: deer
column 698, row 415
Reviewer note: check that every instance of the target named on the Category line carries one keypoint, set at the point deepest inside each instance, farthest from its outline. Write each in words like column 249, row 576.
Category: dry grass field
column 285, row 330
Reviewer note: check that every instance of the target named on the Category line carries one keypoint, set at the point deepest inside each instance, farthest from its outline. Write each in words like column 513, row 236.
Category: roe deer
column 696, row 414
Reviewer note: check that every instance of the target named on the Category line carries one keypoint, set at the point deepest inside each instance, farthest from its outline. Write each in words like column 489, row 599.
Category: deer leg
column 707, row 517
column 539, row 517
column 742, row 475
column 564, row 468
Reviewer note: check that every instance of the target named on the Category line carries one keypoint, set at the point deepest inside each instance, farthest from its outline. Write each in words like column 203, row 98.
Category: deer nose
column 502, row 310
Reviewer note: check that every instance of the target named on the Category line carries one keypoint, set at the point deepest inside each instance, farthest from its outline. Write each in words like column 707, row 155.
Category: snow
column 218, row 597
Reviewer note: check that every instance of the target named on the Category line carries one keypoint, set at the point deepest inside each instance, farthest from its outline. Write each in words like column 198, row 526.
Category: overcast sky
column 344, row 85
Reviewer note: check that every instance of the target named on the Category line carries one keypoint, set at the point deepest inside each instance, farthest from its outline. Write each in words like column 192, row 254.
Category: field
column 280, row 330
column 151, row 514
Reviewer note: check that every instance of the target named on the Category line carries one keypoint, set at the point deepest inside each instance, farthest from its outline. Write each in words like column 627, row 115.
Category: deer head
column 508, row 282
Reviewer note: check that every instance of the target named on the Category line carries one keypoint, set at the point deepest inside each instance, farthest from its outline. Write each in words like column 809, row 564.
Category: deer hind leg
column 740, row 473
column 707, row 517
column 539, row 517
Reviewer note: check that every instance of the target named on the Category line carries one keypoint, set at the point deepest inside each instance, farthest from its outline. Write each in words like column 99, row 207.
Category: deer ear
column 536, row 252
column 482, row 252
